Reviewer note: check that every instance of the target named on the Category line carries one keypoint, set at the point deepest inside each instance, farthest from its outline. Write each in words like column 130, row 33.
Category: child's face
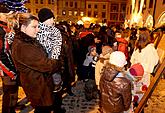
column 93, row 52
column 138, row 78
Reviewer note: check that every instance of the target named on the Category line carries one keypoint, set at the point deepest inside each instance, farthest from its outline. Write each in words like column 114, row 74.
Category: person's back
column 114, row 86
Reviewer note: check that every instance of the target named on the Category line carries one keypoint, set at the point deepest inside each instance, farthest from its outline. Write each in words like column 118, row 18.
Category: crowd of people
column 43, row 58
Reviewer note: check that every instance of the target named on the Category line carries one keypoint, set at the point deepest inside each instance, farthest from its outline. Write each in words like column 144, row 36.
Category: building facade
column 34, row 6
column 70, row 10
column 152, row 13
column 107, row 11
column 103, row 11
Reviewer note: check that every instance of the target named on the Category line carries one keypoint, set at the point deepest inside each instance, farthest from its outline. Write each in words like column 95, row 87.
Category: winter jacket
column 123, row 46
column 99, row 66
column 51, row 39
column 115, row 90
column 6, row 62
column 34, row 67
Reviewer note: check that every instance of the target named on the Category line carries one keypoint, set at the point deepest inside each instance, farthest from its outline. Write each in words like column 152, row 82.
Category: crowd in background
column 43, row 57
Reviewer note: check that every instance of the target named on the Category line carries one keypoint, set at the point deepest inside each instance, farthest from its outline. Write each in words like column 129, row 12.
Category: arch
column 161, row 19
column 149, row 22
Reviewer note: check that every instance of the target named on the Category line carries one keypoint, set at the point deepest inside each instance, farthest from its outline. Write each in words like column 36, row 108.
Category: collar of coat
column 24, row 37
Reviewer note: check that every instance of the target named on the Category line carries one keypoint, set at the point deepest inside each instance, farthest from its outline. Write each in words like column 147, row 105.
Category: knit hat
column 136, row 70
column 91, row 48
column 45, row 14
column 117, row 58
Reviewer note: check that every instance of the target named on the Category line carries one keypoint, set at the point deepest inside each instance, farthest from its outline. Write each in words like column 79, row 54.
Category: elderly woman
column 33, row 64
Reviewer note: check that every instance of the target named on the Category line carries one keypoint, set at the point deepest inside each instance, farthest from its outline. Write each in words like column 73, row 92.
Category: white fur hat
column 117, row 58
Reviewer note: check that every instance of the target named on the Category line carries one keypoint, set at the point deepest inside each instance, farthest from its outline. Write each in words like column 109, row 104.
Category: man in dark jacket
column 114, row 86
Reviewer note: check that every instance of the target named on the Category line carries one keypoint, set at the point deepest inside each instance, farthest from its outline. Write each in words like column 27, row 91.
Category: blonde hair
column 12, row 20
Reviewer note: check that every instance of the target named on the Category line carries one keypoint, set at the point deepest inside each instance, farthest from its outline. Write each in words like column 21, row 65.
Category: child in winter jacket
column 115, row 88
column 103, row 59
column 89, row 63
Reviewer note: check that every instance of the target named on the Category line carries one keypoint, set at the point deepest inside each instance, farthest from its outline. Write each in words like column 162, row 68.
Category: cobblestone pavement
column 78, row 103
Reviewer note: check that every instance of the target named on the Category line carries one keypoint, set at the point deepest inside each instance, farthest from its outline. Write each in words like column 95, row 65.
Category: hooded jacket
column 115, row 90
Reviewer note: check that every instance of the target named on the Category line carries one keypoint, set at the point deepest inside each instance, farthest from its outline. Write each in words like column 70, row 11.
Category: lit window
column 75, row 13
column 70, row 13
column 95, row 14
column 63, row 12
column 81, row 13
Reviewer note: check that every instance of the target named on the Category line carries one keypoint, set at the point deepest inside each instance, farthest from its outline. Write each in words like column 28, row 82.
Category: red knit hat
column 136, row 70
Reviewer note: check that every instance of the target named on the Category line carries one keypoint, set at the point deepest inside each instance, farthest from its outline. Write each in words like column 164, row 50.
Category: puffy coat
column 115, row 90
column 35, row 68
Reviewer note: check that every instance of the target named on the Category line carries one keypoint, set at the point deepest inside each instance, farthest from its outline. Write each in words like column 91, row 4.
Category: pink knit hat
column 136, row 70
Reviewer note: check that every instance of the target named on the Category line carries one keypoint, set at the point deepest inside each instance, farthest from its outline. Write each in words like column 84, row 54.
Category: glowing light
column 80, row 22
column 136, row 16
column 86, row 19
column 149, row 22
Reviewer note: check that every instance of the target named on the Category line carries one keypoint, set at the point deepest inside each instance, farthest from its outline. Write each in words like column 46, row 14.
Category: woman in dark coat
column 33, row 64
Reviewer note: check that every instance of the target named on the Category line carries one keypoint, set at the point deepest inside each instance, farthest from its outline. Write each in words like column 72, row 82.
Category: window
column 123, row 8
column 95, row 6
column 29, row 10
column 95, row 14
column 53, row 1
column 104, row 6
column 75, row 4
column 81, row 13
column 28, row 1
column 103, row 14
column 122, row 17
column 41, row 1
column 36, row 1
column 49, row 1
column 89, row 13
column 70, row 13
column 114, row 16
column 66, row 4
column 127, row 10
column 71, row 4
column 36, row 10
column 114, row 8
column 89, row 5
column 75, row 13
column 151, row 4
column 163, row 1
column 63, row 12
column 130, row 9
